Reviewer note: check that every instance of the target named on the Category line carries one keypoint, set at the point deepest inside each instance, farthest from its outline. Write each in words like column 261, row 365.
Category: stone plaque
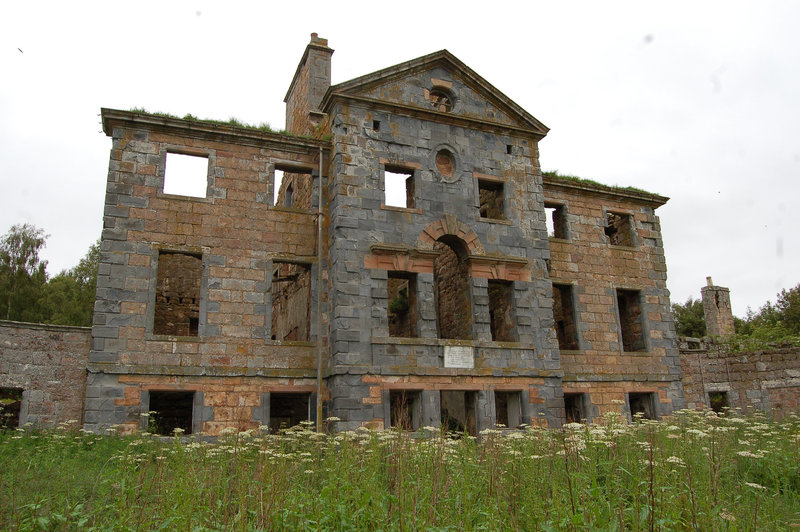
column 456, row 356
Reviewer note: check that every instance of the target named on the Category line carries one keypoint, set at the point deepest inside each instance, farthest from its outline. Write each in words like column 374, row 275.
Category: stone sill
column 171, row 338
column 290, row 343
column 181, row 197
column 495, row 221
column 394, row 208
column 295, row 210
column 623, row 248
column 559, row 240
column 636, row 353
column 437, row 342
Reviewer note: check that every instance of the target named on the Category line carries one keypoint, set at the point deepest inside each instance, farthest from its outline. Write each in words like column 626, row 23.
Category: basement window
column 399, row 187
column 405, row 409
column 490, row 196
column 642, row 405
column 619, row 229
column 287, row 410
column 501, row 319
column 458, row 411
column 575, row 408
column 186, row 175
column 718, row 401
column 291, row 301
column 10, row 406
column 556, row 220
column 630, row 320
column 169, row 411
column 178, row 280
column 402, row 304
column 564, row 317
column 508, row 409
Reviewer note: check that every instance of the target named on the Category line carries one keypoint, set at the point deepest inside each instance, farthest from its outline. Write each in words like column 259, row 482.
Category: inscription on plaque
column 456, row 356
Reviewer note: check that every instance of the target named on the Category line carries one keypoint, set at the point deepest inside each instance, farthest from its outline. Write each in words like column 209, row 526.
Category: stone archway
column 452, row 283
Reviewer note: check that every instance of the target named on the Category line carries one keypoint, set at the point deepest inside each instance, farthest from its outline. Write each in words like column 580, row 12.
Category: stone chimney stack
column 311, row 80
column 717, row 309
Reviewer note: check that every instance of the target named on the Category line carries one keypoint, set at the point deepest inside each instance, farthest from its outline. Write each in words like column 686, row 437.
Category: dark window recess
column 458, row 411
column 642, row 405
column 291, row 301
column 508, row 408
column 177, row 307
column 630, row 320
column 718, row 401
column 402, row 304
column 376, row 125
column 574, row 408
column 491, row 199
column 170, row 410
column 10, row 405
column 501, row 315
column 399, row 187
column 564, row 317
column 451, row 280
column 287, row 410
column 618, row 229
column 509, row 149
column 556, row 220
column 441, row 100
column 405, row 409
column 292, row 187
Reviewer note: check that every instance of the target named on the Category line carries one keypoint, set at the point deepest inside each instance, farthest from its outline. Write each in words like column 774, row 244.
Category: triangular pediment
column 440, row 84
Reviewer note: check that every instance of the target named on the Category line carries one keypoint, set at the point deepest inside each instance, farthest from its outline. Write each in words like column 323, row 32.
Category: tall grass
column 693, row 471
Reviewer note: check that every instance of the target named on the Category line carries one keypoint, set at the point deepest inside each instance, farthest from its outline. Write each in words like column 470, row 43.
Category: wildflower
column 675, row 460
column 725, row 516
column 332, row 418
column 617, row 402
column 748, row 454
column 698, row 433
column 178, row 431
column 145, row 414
column 309, row 471
column 755, row 486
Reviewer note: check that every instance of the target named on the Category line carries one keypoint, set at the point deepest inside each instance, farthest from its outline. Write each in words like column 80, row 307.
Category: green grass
column 232, row 121
column 693, row 471
column 580, row 180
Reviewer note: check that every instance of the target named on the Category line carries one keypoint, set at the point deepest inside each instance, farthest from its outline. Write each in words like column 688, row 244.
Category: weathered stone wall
column 767, row 380
column 599, row 271
column 48, row 362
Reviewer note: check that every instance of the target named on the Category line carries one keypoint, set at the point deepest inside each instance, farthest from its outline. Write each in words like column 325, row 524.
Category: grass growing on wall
column 693, row 471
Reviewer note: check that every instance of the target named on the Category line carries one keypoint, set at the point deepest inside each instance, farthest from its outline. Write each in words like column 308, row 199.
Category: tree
column 690, row 318
column 22, row 274
column 788, row 306
column 69, row 296
column 773, row 323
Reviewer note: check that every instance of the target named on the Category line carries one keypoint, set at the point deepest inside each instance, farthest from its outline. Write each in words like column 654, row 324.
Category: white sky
column 698, row 101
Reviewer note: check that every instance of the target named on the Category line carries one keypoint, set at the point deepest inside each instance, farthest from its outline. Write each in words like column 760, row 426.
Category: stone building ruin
column 294, row 284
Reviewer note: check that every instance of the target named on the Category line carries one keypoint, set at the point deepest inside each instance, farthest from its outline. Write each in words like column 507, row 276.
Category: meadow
column 694, row 470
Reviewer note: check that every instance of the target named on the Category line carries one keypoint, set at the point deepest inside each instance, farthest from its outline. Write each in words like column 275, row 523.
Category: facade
column 396, row 259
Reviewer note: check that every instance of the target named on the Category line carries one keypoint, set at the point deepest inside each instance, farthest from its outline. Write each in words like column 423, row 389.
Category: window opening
column 441, row 100
column 508, row 409
column 292, row 187
column 376, row 125
column 402, row 304
column 186, row 175
column 399, row 187
column 276, row 186
column 405, row 409
column 458, row 411
column 564, row 317
column 509, row 149
column 291, row 301
column 556, row 221
column 630, row 320
column 618, row 229
column 574, row 411
column 169, row 411
column 451, row 278
column 642, row 406
column 718, row 401
column 177, row 309
column 491, row 199
column 287, row 410
column 501, row 317
column 10, row 407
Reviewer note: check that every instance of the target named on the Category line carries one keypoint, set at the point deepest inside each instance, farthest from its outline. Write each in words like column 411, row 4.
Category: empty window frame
column 508, row 409
column 170, row 410
column 178, row 281
column 490, row 199
column 10, row 407
column 564, row 317
column 575, row 408
column 402, row 304
column 458, row 411
column 556, row 220
column 642, row 405
column 287, row 410
column 405, row 409
column 501, row 311
column 292, row 187
column 291, row 301
column 451, row 281
column 629, row 307
column 718, row 401
column 186, row 175
column 398, row 187
column 619, row 229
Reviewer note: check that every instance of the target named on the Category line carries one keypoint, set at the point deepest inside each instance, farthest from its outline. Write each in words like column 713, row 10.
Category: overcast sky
column 698, row 101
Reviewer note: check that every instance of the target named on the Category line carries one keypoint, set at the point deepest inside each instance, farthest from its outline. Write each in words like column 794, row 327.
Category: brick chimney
column 717, row 309
column 310, row 82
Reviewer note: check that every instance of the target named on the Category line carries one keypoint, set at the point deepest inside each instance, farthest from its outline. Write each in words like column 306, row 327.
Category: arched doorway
column 451, row 277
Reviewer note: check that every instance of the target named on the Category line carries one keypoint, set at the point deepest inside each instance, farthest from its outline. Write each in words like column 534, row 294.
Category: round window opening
column 445, row 163
column 441, row 100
